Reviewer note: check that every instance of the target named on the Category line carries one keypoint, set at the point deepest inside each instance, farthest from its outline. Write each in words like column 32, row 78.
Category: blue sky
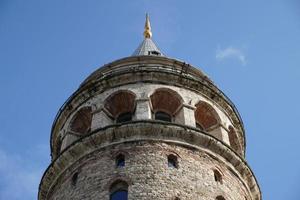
column 250, row 49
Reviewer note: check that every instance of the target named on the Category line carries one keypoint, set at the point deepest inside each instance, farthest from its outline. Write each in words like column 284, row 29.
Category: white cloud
column 20, row 176
column 231, row 52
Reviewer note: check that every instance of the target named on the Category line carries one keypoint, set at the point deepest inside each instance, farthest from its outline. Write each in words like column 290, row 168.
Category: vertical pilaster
column 143, row 110
column 100, row 119
column 186, row 115
column 221, row 133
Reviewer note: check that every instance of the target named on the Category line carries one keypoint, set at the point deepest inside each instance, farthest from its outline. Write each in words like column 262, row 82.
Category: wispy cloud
column 231, row 52
column 20, row 176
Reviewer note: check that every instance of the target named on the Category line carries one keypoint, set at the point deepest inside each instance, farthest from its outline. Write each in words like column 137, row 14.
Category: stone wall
column 148, row 175
column 210, row 158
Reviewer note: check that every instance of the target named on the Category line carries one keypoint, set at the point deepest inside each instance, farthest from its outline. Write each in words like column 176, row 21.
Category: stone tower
column 148, row 127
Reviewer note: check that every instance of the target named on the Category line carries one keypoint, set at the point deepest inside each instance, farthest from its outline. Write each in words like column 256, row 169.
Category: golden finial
column 147, row 32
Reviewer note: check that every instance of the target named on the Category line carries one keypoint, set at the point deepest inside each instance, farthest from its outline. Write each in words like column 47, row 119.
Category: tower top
column 148, row 106
column 147, row 47
column 147, row 31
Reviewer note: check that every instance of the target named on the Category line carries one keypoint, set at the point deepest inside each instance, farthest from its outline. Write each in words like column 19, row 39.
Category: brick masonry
column 149, row 176
column 83, row 162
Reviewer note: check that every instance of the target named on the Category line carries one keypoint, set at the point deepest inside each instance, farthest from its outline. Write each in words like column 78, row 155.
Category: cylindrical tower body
column 148, row 127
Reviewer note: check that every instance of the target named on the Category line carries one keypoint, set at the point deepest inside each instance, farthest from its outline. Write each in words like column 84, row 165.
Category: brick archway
column 120, row 102
column 166, row 100
column 81, row 122
column 205, row 115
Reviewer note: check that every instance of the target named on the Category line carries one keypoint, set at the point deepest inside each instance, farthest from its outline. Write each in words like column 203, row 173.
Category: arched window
column 218, row 176
column 165, row 104
column 159, row 115
column 124, row 117
column 172, row 161
column 220, row 197
column 205, row 116
column 120, row 160
column 119, row 191
column 121, row 105
column 233, row 139
column 81, row 122
column 74, row 179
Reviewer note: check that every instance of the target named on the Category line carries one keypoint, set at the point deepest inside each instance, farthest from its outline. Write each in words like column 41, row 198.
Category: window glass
column 119, row 195
column 120, row 161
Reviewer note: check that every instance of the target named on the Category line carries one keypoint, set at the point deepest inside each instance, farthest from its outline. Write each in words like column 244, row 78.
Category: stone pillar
column 143, row 110
column 67, row 140
column 221, row 133
column 100, row 119
column 186, row 115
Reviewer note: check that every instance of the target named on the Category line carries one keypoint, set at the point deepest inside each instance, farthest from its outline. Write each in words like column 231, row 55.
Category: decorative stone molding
column 148, row 131
column 147, row 70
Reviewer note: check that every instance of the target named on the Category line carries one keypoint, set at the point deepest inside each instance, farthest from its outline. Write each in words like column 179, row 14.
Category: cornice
column 146, row 69
column 147, row 130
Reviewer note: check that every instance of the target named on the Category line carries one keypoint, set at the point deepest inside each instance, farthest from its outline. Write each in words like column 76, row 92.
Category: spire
column 147, row 32
column 147, row 47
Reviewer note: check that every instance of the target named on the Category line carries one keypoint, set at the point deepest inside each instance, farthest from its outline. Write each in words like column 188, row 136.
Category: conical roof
column 147, row 47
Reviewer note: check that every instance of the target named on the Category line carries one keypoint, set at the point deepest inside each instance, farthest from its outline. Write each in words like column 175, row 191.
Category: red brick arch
column 81, row 122
column 233, row 139
column 206, row 116
column 120, row 102
column 166, row 100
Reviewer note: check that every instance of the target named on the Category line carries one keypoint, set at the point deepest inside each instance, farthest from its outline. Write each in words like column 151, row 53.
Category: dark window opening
column 124, row 117
column 120, row 160
column 163, row 116
column 199, row 126
column 217, row 176
column 119, row 191
column 172, row 161
column 119, row 195
column 154, row 53
column 74, row 178
column 58, row 146
column 220, row 198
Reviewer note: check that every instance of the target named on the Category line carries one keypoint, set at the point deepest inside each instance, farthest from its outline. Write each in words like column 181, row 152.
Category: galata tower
column 148, row 127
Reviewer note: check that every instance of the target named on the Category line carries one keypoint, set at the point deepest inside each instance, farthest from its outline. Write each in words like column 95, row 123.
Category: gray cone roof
column 147, row 47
